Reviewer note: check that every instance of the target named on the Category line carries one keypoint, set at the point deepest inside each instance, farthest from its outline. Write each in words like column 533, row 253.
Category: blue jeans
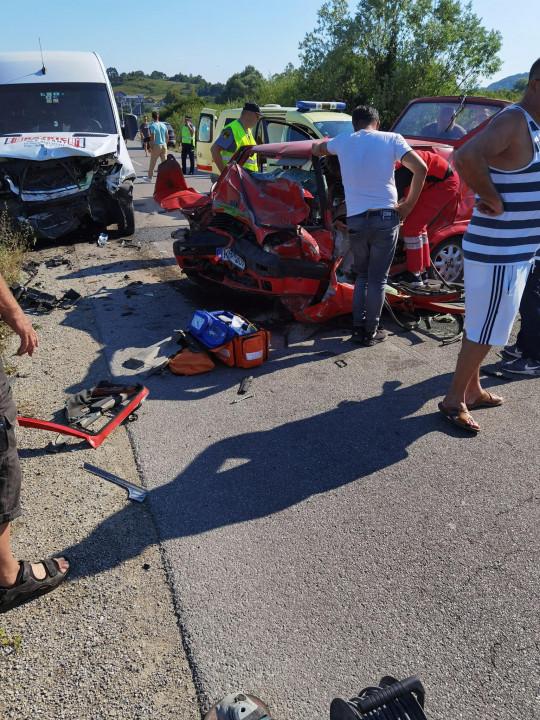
column 373, row 240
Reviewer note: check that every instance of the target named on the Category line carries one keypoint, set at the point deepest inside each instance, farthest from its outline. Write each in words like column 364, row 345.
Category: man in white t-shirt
column 367, row 159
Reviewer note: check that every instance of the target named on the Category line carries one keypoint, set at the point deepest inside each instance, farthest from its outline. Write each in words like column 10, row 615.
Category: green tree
column 386, row 53
column 243, row 85
column 283, row 88
column 520, row 85
column 173, row 95
column 112, row 74
column 157, row 75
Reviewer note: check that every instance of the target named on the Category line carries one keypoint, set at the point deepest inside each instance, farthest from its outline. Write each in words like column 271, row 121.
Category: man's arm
column 215, row 151
column 418, row 167
column 473, row 159
column 12, row 315
column 225, row 141
column 320, row 149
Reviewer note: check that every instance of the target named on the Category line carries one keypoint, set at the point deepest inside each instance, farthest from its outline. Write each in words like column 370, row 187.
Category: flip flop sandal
column 486, row 402
column 27, row 587
column 458, row 418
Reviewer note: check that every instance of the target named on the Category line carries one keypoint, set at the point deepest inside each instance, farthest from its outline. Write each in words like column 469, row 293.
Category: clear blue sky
column 210, row 38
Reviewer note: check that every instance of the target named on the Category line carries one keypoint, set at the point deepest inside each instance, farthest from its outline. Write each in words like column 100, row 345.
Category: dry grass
column 15, row 241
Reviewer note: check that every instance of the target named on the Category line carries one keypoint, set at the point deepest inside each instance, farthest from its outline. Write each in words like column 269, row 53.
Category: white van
column 63, row 161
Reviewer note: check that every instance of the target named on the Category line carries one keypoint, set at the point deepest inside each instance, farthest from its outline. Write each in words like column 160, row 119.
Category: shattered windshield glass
column 443, row 120
column 56, row 107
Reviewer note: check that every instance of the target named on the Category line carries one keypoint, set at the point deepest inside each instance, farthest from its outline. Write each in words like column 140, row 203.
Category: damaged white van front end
column 64, row 164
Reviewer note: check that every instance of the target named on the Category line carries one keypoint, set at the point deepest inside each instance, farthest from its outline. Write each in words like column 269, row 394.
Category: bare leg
column 466, row 377
column 9, row 566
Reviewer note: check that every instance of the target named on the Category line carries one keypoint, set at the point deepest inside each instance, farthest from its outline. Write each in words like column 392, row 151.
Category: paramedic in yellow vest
column 234, row 135
column 188, row 145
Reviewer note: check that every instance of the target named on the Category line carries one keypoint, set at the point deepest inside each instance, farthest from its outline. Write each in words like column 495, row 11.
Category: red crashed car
column 442, row 124
column 279, row 232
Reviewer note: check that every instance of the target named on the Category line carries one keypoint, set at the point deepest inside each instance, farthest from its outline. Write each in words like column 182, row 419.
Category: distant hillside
column 507, row 83
column 155, row 89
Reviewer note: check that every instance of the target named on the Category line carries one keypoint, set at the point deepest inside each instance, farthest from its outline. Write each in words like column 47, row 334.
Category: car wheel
column 126, row 211
column 447, row 258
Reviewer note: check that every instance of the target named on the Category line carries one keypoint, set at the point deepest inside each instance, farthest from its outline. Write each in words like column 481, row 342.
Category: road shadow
column 256, row 474
column 134, row 326
column 118, row 266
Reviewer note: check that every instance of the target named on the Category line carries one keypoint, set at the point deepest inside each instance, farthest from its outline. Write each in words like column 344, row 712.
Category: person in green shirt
column 188, row 145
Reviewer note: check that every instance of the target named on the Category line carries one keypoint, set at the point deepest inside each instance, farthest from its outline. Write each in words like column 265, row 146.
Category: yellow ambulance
column 310, row 119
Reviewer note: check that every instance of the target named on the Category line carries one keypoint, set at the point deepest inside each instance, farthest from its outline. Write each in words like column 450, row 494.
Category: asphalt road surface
column 333, row 529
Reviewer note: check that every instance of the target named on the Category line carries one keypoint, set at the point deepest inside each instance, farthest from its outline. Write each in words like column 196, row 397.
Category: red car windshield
column 443, row 120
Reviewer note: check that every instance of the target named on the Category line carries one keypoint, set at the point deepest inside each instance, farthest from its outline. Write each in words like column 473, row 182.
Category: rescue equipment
column 236, row 341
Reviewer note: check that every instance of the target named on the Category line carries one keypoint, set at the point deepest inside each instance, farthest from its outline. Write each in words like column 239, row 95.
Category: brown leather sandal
column 460, row 417
column 487, row 400
column 27, row 587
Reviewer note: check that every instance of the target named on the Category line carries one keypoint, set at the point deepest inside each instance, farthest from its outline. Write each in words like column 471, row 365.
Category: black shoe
column 413, row 280
column 377, row 336
column 358, row 335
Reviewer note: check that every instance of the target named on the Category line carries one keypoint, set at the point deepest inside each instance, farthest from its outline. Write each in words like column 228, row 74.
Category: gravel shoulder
column 107, row 643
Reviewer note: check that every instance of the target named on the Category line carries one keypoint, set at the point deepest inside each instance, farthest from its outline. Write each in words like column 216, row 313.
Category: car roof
column 60, row 67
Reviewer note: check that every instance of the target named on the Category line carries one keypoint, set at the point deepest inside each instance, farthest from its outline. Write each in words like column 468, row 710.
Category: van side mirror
column 130, row 123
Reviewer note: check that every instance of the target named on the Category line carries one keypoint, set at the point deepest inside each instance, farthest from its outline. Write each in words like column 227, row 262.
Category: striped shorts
column 492, row 297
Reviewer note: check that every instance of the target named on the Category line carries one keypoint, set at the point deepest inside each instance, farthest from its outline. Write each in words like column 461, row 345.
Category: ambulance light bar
column 306, row 105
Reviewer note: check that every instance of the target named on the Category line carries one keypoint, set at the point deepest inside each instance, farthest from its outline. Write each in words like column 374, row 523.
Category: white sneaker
column 146, row 179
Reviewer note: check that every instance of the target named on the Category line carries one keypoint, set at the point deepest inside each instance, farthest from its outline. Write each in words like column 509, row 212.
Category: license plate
column 229, row 255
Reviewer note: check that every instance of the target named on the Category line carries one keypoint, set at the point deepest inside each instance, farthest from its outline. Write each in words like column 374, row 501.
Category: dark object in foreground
column 135, row 493
column 39, row 301
column 115, row 403
column 390, row 700
column 27, row 587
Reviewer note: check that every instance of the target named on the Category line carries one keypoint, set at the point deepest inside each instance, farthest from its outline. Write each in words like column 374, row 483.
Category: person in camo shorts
column 20, row 581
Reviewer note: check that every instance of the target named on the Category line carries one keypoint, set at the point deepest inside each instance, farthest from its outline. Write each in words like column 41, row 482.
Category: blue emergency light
column 306, row 105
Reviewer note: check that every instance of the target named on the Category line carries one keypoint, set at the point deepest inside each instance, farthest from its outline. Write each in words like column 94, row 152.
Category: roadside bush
column 15, row 241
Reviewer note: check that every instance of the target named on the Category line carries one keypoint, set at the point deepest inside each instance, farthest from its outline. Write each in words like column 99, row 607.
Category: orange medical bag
column 245, row 351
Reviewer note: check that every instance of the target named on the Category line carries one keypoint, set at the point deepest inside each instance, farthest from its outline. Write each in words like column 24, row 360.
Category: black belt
column 433, row 179
column 379, row 212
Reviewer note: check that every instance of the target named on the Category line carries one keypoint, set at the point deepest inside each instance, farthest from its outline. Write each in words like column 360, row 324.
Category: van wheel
column 126, row 211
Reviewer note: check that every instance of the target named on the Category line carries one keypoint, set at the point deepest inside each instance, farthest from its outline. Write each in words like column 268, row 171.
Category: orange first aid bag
column 245, row 351
column 190, row 362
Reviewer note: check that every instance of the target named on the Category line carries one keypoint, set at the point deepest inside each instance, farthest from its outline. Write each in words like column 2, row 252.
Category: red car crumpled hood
column 263, row 202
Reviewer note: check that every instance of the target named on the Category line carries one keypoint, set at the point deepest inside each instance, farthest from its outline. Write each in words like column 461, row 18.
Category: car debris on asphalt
column 30, row 298
column 135, row 493
column 107, row 402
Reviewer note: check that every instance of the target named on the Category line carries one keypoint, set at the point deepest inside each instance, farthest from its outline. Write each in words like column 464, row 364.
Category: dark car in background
column 171, row 139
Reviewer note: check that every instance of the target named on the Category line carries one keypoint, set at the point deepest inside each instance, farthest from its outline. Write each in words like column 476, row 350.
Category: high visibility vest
column 241, row 137
column 188, row 135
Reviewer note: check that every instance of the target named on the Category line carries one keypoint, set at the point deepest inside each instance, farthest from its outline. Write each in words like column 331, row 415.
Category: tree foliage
column 386, row 53
column 243, row 85
column 113, row 75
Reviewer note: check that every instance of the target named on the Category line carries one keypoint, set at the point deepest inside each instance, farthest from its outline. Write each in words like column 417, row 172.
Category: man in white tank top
column 502, row 165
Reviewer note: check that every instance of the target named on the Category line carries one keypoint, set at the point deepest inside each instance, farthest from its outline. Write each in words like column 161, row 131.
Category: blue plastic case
column 217, row 327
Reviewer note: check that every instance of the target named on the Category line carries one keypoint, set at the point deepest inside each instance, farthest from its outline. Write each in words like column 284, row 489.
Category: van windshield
column 56, row 107
column 331, row 128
